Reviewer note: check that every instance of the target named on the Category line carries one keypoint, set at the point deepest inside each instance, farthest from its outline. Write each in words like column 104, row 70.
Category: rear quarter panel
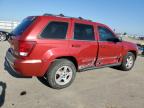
column 48, row 51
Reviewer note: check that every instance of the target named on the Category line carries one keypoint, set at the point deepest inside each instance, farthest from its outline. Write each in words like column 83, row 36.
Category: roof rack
column 61, row 15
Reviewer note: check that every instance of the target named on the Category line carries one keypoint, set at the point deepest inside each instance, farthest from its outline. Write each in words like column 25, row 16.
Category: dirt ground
column 133, row 40
column 100, row 88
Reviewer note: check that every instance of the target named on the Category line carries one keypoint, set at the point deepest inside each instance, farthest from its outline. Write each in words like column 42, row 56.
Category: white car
column 3, row 35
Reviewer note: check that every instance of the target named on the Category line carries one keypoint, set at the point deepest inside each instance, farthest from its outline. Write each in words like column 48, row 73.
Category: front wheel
column 128, row 62
column 61, row 74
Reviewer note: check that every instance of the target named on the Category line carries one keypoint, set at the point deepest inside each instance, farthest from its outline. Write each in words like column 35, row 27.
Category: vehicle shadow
column 116, row 68
column 43, row 80
column 12, row 72
column 2, row 93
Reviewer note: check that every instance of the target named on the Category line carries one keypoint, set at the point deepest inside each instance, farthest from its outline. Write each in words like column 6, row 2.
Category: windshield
column 23, row 26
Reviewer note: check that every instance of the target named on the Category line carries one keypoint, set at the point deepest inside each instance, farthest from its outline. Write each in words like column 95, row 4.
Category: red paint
column 42, row 52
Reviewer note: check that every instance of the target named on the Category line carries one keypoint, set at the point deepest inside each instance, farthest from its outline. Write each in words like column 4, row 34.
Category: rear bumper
column 25, row 67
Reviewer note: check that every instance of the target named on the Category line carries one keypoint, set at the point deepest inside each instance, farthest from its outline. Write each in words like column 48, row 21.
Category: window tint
column 83, row 32
column 55, row 30
column 23, row 26
column 105, row 34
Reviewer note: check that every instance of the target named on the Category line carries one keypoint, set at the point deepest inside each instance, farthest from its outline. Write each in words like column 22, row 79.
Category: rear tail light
column 25, row 48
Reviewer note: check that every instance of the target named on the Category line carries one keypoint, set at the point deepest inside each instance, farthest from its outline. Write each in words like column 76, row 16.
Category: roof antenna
column 80, row 18
column 62, row 15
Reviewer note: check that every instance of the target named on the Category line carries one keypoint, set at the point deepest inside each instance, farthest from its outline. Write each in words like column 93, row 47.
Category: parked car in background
column 56, row 47
column 141, row 38
column 3, row 35
column 141, row 48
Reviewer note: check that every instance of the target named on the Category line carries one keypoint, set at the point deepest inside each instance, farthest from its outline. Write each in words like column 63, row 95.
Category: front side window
column 83, row 32
column 55, row 30
column 105, row 34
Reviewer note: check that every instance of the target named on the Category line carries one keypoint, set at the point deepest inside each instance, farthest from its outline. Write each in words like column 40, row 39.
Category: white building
column 8, row 25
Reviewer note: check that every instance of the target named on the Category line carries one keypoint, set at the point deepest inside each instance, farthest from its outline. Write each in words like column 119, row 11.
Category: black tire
column 143, row 53
column 51, row 73
column 124, row 62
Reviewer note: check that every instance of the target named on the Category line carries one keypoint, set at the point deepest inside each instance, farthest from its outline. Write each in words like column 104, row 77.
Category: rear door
column 110, row 52
column 84, row 45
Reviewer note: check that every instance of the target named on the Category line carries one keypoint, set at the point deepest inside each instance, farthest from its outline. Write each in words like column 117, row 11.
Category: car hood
column 130, row 45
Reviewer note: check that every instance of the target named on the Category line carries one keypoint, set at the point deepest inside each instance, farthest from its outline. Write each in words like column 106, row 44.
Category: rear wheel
column 128, row 62
column 61, row 74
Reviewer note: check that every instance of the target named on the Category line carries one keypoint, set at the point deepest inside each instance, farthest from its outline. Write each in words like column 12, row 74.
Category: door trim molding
column 94, row 67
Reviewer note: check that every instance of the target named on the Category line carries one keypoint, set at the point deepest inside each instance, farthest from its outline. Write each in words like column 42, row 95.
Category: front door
column 109, row 51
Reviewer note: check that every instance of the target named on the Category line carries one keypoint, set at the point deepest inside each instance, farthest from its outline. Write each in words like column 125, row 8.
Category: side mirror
column 114, row 40
column 4, row 36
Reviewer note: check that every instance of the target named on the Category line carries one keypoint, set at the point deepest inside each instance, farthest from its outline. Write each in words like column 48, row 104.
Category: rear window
column 55, row 30
column 23, row 26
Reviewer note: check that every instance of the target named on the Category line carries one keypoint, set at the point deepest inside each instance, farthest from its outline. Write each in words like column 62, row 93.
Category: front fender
column 129, row 47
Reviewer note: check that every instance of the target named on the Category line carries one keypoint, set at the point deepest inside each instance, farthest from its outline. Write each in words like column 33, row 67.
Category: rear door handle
column 76, row 46
column 103, row 46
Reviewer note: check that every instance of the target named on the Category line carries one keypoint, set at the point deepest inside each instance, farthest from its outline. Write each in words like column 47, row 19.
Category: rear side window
column 83, row 32
column 55, row 30
column 23, row 26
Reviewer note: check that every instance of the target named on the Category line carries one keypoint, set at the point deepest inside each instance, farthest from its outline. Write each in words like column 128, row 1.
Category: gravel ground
column 100, row 88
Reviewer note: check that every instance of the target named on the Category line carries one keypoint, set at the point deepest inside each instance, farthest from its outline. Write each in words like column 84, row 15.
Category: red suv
column 55, row 47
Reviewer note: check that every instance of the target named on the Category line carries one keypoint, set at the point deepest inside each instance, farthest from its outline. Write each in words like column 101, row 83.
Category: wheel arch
column 71, row 58
column 134, row 52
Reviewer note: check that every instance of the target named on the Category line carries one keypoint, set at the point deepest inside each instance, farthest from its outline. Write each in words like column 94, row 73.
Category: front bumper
column 25, row 67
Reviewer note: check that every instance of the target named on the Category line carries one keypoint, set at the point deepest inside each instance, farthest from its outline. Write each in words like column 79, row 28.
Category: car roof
column 80, row 19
